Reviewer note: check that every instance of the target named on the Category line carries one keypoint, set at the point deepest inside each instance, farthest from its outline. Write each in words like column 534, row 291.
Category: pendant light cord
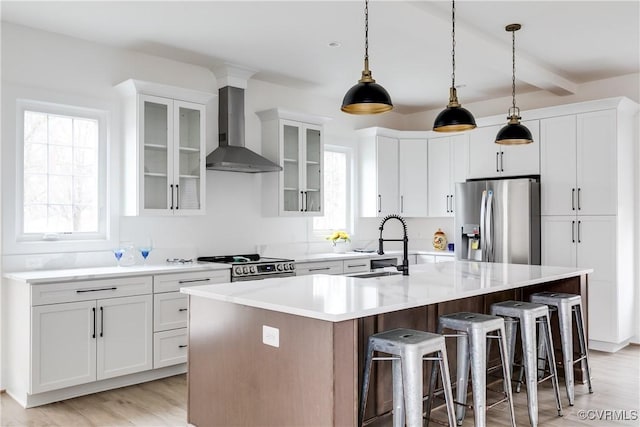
column 453, row 43
column 366, row 35
column 513, row 65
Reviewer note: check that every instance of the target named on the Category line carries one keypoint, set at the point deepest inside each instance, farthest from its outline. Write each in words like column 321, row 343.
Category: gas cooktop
column 253, row 266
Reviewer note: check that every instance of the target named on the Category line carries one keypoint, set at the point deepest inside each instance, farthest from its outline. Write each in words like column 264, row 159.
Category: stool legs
column 506, row 374
column 398, row 393
column 462, row 377
column 582, row 339
column 478, row 344
column 529, row 357
column 546, row 335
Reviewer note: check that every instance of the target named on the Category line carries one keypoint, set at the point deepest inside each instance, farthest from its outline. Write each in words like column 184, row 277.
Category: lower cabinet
column 170, row 347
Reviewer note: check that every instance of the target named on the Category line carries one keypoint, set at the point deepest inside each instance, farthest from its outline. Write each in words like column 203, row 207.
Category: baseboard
column 607, row 346
column 30, row 401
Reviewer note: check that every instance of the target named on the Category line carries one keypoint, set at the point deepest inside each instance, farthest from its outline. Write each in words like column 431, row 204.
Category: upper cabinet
column 164, row 151
column 490, row 160
column 295, row 142
column 393, row 173
column 448, row 164
column 579, row 164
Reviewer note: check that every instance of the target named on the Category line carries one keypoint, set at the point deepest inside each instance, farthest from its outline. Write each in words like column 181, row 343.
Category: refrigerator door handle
column 483, row 208
column 489, row 227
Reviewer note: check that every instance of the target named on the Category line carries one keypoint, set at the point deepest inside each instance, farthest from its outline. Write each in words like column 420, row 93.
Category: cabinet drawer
column 356, row 266
column 173, row 282
column 322, row 267
column 170, row 311
column 170, row 347
column 445, row 258
column 85, row 290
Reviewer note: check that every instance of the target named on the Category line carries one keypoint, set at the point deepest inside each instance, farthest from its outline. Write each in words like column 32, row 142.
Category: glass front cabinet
column 295, row 142
column 164, row 157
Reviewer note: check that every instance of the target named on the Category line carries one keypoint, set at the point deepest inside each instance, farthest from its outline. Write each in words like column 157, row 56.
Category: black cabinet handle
column 573, row 231
column 497, row 167
column 573, row 199
column 379, row 203
column 177, row 196
column 301, row 201
column 80, row 291
column 401, row 204
column 447, row 203
column 319, row 268
column 502, row 161
column 579, row 222
column 183, row 346
column 579, row 207
column 183, row 309
column 171, row 189
column 94, row 322
column 356, row 265
column 306, row 201
column 451, row 210
column 180, row 282
column 101, row 321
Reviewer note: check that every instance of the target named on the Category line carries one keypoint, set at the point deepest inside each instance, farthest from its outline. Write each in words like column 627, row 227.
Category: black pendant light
column 454, row 118
column 514, row 133
column 366, row 97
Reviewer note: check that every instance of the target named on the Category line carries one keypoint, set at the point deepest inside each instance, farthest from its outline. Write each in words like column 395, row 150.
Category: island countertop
column 340, row 298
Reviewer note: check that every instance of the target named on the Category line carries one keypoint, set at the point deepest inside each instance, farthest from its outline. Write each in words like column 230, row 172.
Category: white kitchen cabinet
column 579, row 164
column 413, row 177
column 359, row 265
column 164, row 151
column 63, row 345
column 90, row 338
column 490, row 160
column 170, row 311
column 295, row 142
column 170, row 347
column 124, row 338
column 319, row 267
column 447, row 165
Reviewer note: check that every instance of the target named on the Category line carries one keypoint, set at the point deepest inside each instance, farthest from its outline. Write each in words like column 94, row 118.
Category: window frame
column 321, row 234
column 102, row 118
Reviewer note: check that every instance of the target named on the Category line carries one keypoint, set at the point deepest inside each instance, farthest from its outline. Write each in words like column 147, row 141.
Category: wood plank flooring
column 616, row 384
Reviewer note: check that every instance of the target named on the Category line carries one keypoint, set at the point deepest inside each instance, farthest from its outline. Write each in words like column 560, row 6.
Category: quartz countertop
column 339, row 298
column 90, row 273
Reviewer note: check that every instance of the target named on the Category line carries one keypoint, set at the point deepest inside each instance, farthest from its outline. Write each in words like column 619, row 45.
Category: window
column 63, row 173
column 337, row 194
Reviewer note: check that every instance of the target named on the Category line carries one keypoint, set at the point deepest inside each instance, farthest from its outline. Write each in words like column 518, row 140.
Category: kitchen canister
column 439, row 240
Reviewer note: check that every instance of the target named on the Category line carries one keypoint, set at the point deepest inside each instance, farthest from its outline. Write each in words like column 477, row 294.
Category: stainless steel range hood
column 231, row 154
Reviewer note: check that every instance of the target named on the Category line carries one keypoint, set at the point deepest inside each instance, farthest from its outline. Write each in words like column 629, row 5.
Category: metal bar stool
column 408, row 348
column 528, row 315
column 567, row 304
column 475, row 328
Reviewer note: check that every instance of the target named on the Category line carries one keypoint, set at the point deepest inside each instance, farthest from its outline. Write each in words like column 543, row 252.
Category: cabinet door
column 155, row 129
column 291, row 136
column 484, row 153
column 63, row 345
column 312, row 175
column 558, row 166
column 459, row 164
column 413, row 177
column 170, row 311
column 597, row 250
column 124, row 335
column 559, row 237
column 189, row 157
column 387, row 168
column 520, row 160
column 439, row 194
column 596, row 163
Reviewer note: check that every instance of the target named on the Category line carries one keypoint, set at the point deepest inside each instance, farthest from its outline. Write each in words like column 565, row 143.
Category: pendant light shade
column 454, row 118
column 514, row 132
column 366, row 97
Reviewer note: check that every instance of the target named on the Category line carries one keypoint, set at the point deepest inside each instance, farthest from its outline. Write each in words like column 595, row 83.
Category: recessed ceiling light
column 335, row 44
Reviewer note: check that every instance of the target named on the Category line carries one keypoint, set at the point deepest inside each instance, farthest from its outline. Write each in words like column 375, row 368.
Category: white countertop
column 339, row 298
column 49, row 276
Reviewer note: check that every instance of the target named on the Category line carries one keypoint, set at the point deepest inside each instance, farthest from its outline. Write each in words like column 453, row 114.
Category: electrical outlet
column 271, row 336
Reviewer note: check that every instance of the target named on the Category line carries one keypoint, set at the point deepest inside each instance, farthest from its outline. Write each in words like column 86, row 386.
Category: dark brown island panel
column 313, row 377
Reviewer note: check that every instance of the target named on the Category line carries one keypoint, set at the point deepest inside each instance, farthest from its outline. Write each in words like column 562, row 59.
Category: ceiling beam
column 491, row 52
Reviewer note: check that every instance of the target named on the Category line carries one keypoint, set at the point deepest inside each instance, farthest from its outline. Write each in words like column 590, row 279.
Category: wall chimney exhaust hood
column 231, row 154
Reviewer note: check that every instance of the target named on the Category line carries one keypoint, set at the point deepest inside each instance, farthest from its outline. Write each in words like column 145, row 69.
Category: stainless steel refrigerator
column 498, row 221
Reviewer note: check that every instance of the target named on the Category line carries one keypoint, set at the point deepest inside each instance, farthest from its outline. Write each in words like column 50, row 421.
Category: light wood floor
column 616, row 383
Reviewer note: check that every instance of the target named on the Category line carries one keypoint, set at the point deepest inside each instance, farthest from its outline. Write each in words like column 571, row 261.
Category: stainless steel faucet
column 404, row 267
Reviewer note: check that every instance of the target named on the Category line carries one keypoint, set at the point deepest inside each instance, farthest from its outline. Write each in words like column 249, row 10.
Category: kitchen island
column 290, row 351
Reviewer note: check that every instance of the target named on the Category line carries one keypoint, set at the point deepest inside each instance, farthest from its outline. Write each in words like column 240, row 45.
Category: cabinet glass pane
column 189, row 128
column 313, row 146
column 313, row 201
column 292, row 200
column 291, row 168
column 155, row 191
column 188, row 193
column 290, row 137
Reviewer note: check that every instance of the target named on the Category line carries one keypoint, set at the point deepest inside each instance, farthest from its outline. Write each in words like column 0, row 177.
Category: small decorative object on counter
column 339, row 241
column 439, row 240
column 129, row 254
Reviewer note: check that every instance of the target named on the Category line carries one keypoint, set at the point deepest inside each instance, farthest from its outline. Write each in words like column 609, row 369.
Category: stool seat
column 472, row 355
column 529, row 316
column 408, row 347
column 569, row 306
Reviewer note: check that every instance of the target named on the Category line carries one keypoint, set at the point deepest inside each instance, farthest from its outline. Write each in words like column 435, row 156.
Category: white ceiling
column 561, row 44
